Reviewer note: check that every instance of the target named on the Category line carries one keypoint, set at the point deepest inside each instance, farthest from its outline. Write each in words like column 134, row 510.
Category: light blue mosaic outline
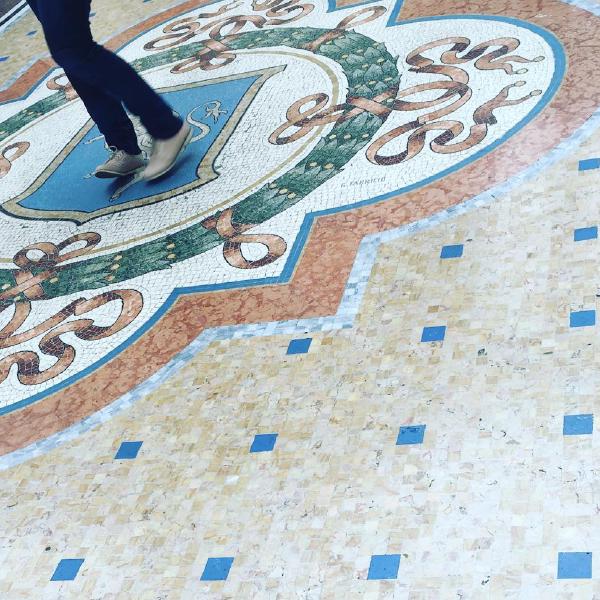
column 349, row 305
column 307, row 223
column 13, row 15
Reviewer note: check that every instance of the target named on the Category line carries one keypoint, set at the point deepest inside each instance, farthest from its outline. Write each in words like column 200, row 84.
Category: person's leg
column 107, row 112
column 67, row 31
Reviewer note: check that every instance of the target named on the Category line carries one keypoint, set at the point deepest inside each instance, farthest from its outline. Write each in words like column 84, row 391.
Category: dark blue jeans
column 103, row 81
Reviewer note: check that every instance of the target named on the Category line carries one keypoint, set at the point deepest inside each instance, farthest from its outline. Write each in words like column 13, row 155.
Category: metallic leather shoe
column 120, row 164
column 165, row 153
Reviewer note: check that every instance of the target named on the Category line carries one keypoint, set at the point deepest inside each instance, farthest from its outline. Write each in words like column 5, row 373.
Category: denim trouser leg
column 102, row 79
column 108, row 114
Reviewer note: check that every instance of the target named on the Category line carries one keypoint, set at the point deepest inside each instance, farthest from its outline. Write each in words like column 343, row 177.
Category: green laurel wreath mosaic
column 370, row 71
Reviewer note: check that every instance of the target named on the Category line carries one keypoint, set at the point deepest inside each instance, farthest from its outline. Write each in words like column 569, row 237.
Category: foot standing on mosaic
column 105, row 83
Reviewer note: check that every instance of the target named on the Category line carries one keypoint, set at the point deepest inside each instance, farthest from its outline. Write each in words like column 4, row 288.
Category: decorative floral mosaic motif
column 295, row 111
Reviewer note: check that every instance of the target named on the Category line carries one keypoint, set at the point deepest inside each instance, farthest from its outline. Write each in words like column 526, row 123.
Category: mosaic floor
column 347, row 349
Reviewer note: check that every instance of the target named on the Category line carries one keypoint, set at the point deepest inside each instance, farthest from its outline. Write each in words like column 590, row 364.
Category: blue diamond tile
column 411, row 434
column 578, row 424
column 384, row 566
column 128, row 450
column 455, row 251
column 67, row 569
column 588, row 164
column 574, row 565
column 217, row 569
column 433, row 334
column 263, row 442
column 583, row 318
column 4, row 58
column 300, row 346
column 585, row 233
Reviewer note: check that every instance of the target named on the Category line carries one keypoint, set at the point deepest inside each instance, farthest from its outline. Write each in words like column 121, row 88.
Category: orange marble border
column 320, row 276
